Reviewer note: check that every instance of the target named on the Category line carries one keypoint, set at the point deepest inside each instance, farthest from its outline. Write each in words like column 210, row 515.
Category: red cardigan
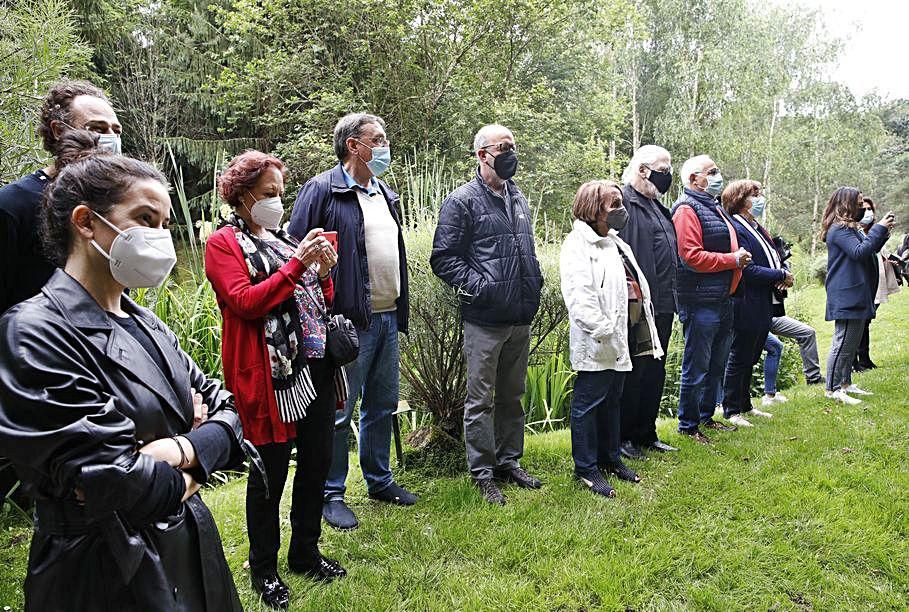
column 243, row 349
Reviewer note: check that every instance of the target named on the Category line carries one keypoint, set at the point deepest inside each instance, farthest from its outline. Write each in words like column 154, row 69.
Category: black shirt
column 23, row 267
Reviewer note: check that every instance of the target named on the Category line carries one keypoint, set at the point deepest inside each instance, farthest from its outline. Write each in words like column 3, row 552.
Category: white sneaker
column 779, row 397
column 767, row 400
column 718, row 409
column 840, row 396
column 854, row 389
column 761, row 413
column 740, row 421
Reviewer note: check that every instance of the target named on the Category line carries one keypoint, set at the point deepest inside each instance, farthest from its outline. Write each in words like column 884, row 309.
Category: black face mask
column 617, row 218
column 660, row 180
column 505, row 164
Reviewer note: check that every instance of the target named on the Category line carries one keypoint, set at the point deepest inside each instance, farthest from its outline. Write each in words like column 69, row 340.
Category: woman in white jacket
column 611, row 318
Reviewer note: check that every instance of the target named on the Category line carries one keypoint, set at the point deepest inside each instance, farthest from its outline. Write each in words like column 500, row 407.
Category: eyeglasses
column 502, row 147
column 378, row 141
column 666, row 169
column 713, row 171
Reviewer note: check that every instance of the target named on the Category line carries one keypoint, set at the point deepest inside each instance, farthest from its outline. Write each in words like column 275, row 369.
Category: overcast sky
column 877, row 49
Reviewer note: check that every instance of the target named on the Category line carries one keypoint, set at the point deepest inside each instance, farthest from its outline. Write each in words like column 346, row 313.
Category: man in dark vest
column 709, row 272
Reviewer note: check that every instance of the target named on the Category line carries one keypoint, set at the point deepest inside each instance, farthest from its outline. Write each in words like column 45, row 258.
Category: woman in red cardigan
column 273, row 293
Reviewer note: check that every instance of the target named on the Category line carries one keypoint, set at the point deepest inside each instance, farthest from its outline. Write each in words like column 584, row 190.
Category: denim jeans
column 708, row 335
column 774, row 348
column 375, row 376
column 595, row 419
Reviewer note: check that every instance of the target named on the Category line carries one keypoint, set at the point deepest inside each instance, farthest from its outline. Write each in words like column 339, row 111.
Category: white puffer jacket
column 596, row 294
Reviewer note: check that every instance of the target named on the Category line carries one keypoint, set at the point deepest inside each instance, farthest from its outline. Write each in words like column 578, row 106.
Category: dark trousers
column 595, row 419
column 747, row 346
column 643, row 390
column 314, row 444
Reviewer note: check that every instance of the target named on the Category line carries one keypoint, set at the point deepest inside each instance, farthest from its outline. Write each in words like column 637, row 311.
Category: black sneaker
column 711, row 424
column 325, row 570
column 820, row 380
column 623, row 472
column 596, row 482
column 490, row 491
column 339, row 515
column 696, row 435
column 631, row 451
column 272, row 590
column 519, row 477
column 661, row 447
column 395, row 494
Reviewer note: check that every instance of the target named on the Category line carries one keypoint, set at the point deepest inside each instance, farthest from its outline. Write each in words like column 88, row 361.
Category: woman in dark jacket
column 754, row 302
column 852, row 278
column 273, row 293
column 110, row 424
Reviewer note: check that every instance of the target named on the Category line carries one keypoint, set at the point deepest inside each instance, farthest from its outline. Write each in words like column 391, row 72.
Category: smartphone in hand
column 332, row 238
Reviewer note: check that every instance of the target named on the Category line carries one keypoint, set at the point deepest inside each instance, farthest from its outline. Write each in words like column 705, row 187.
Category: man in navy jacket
column 371, row 290
column 484, row 248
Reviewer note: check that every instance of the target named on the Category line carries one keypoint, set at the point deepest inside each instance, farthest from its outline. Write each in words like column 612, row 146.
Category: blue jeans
column 774, row 348
column 374, row 375
column 596, row 419
column 708, row 336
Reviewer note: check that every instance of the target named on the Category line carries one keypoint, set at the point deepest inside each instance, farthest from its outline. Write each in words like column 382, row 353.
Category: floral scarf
column 290, row 376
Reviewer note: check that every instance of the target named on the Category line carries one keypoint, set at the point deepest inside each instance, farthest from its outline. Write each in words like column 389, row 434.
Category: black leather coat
column 488, row 255
column 78, row 396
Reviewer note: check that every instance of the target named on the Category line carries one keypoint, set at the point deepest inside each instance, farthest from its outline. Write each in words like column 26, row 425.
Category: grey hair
column 482, row 137
column 647, row 155
column 693, row 166
column 351, row 126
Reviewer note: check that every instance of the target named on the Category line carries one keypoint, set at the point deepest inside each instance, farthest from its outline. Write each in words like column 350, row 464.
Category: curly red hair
column 243, row 172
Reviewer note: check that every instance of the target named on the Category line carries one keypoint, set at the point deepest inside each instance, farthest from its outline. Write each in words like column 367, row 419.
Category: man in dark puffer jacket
column 483, row 247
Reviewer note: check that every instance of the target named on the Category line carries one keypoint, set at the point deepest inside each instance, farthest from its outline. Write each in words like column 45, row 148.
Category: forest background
column 581, row 82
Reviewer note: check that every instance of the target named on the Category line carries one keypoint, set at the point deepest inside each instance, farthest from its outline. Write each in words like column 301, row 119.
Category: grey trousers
column 847, row 334
column 493, row 416
column 806, row 338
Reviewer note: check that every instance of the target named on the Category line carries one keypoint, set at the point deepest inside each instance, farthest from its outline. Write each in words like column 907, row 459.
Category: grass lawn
column 809, row 510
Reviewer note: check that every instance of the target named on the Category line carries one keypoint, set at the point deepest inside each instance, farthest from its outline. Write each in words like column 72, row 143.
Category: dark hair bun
column 76, row 145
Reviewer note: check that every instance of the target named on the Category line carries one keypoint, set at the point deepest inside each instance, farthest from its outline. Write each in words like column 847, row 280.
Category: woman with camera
column 852, row 278
column 273, row 293
column 756, row 301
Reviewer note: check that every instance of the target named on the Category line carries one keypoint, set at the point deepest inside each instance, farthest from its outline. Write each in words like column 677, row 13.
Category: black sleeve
column 63, row 430
column 8, row 241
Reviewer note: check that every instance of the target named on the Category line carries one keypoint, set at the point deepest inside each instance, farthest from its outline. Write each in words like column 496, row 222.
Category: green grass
column 807, row 510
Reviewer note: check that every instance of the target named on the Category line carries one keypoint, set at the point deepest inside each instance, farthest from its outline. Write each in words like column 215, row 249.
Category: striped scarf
column 290, row 375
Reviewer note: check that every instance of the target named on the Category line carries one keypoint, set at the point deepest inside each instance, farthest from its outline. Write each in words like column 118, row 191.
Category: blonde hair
column 592, row 197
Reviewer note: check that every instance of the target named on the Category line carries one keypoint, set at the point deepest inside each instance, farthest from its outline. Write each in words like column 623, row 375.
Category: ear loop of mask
column 110, row 225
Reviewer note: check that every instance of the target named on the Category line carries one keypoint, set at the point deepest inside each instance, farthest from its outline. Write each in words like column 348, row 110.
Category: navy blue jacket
column 753, row 300
column 326, row 201
column 852, row 272
column 489, row 258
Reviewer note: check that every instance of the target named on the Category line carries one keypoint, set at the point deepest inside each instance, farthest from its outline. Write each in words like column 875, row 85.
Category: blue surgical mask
column 714, row 184
column 758, row 204
column 381, row 160
column 868, row 217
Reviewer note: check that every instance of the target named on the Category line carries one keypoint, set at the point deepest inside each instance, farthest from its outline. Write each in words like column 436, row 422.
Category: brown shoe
column 697, row 436
column 711, row 424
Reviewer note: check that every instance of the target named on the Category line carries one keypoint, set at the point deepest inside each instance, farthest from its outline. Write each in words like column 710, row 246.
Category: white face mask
column 110, row 143
column 139, row 256
column 267, row 212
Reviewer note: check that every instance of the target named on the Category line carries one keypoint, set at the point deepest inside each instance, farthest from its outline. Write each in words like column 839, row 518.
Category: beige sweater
column 381, row 251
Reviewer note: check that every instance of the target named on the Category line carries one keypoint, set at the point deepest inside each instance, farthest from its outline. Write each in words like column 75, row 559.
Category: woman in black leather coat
column 108, row 422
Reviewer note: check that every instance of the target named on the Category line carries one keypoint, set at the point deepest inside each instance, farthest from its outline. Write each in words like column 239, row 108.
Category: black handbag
column 342, row 344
